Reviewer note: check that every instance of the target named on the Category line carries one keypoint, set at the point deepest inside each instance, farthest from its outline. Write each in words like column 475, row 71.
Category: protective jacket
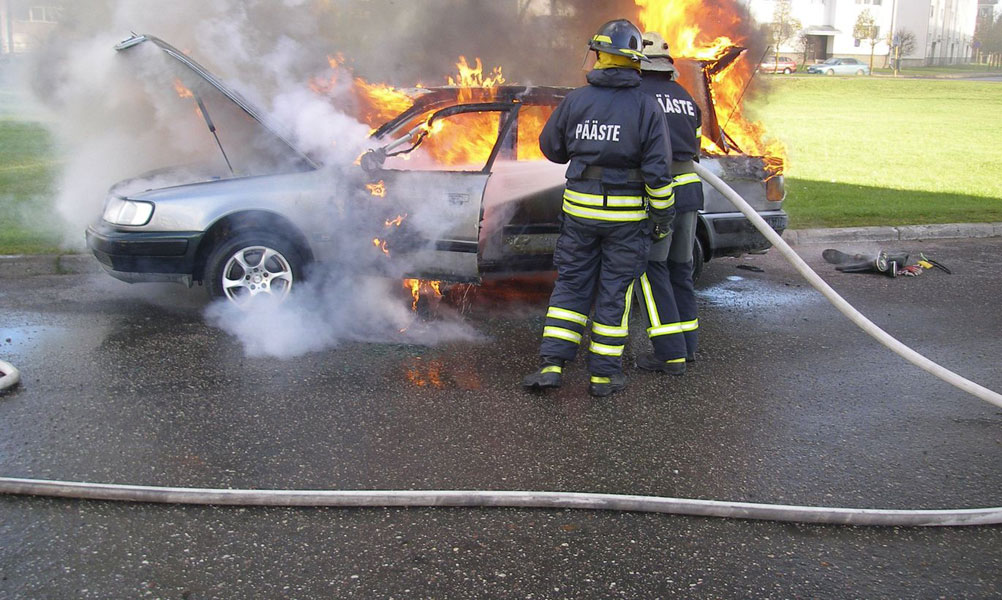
column 614, row 138
column 667, row 295
column 611, row 124
column 685, row 121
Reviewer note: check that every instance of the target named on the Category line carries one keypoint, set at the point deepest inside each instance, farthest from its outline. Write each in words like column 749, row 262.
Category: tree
column 783, row 27
column 866, row 29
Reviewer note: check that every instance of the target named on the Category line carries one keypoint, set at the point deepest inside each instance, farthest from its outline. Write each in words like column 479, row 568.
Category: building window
column 43, row 14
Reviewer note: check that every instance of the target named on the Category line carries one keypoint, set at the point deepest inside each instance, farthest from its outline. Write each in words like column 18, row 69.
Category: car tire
column 830, row 72
column 698, row 258
column 252, row 263
column 787, row 71
column 860, row 72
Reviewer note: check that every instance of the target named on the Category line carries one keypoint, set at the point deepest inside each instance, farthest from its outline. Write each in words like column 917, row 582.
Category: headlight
column 119, row 211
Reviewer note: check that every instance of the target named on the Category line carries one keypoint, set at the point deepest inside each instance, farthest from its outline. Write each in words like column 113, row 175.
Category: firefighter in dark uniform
column 668, row 298
column 617, row 198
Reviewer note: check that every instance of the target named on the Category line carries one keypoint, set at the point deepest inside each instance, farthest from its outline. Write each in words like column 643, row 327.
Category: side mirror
column 373, row 160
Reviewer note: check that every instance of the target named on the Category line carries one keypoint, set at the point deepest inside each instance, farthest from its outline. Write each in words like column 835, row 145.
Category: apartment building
column 942, row 30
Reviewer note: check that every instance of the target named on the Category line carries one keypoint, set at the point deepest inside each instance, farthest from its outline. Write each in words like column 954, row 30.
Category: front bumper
column 136, row 256
column 732, row 234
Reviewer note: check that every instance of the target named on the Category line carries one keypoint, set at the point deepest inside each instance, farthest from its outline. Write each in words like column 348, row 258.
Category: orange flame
column 381, row 244
column 704, row 31
column 417, row 286
column 377, row 189
column 395, row 222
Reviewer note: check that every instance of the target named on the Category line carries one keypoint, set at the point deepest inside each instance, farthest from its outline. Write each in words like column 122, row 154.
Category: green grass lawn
column 27, row 225
column 879, row 151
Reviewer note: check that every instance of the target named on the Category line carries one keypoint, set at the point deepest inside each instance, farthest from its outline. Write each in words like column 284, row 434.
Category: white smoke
column 113, row 119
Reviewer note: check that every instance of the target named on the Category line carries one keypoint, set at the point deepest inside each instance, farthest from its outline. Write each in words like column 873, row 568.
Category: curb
column 902, row 233
column 31, row 265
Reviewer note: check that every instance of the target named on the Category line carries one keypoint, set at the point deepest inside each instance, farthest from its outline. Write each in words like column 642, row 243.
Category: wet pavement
column 787, row 403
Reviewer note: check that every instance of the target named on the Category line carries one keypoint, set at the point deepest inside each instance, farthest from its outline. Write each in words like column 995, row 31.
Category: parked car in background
column 840, row 66
column 252, row 223
column 783, row 64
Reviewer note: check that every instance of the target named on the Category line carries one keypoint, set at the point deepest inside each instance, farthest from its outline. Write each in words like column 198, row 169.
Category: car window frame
column 511, row 110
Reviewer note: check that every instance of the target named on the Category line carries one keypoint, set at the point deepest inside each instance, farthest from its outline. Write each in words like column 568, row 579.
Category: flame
column 395, row 222
column 705, row 31
column 416, row 286
column 374, row 103
column 381, row 244
column 377, row 189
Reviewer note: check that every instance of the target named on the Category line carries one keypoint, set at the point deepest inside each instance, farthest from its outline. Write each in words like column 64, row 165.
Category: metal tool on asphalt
column 544, row 499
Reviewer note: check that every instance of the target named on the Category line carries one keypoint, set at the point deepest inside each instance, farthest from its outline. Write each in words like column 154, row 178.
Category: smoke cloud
column 112, row 118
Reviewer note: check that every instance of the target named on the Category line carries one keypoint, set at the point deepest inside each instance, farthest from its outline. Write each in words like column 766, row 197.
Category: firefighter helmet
column 656, row 50
column 619, row 37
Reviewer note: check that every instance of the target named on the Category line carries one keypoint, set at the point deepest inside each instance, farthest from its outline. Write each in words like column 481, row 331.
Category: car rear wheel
column 859, row 72
column 250, row 264
column 830, row 72
column 698, row 258
column 787, row 71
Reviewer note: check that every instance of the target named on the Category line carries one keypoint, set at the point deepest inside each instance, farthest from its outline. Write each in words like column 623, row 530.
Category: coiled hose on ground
column 537, row 499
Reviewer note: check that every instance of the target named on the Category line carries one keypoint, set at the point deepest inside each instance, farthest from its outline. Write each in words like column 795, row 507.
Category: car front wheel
column 830, row 72
column 251, row 264
column 787, row 71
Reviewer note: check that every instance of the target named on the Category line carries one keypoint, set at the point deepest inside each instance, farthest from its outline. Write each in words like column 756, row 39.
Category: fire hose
column 9, row 376
column 576, row 500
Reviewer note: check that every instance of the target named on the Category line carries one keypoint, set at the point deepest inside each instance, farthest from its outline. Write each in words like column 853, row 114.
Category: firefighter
column 617, row 197
column 666, row 288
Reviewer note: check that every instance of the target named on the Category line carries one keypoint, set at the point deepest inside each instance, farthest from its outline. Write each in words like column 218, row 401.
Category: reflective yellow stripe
column 690, row 325
column 567, row 315
column 600, row 200
column 667, row 329
column 652, row 307
column 627, row 50
column 563, row 334
column 605, row 349
column 661, row 192
column 699, row 131
column 604, row 215
column 610, row 331
column 625, row 323
column 663, row 204
column 675, row 361
column 555, row 369
column 597, row 379
column 602, row 38
column 686, row 178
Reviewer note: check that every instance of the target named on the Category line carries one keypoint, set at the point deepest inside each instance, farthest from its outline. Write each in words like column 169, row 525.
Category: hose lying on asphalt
column 507, row 499
column 536, row 499
column 9, row 376
column 840, row 303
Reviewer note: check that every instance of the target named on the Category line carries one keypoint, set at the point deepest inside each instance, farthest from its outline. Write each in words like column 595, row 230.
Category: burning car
column 454, row 188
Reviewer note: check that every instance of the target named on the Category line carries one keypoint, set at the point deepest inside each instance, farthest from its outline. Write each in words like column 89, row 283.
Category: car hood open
column 247, row 143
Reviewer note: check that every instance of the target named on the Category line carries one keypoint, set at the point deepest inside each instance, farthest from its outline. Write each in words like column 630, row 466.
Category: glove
column 660, row 232
column 662, row 224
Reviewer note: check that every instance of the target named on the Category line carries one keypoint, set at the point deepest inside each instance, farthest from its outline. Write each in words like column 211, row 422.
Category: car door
column 432, row 191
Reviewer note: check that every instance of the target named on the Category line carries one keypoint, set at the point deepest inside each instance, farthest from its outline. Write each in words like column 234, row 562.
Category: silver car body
column 499, row 217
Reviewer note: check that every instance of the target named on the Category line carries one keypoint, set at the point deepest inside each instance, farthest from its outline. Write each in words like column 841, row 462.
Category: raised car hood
column 247, row 144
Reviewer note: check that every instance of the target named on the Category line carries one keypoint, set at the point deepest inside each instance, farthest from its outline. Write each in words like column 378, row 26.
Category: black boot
column 602, row 386
column 548, row 375
column 648, row 362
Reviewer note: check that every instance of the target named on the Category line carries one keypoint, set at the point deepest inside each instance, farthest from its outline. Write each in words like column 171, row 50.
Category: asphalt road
column 787, row 403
